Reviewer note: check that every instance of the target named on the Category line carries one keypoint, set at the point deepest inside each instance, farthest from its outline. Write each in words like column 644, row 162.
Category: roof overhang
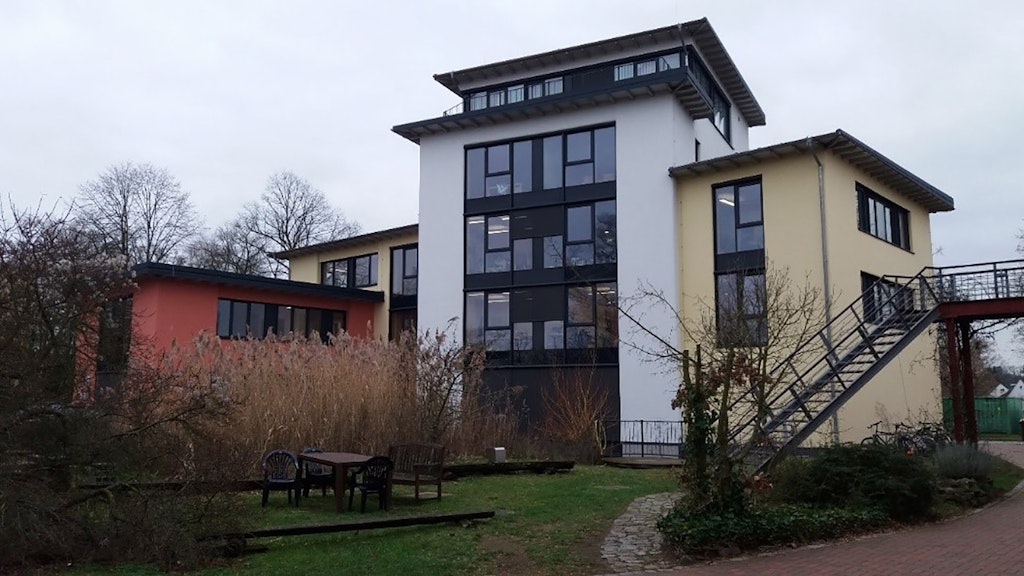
column 700, row 31
column 350, row 242
column 170, row 271
column 843, row 145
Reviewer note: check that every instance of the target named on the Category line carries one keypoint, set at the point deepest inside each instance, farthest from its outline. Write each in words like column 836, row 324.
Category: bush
column 856, row 476
column 957, row 461
column 705, row 535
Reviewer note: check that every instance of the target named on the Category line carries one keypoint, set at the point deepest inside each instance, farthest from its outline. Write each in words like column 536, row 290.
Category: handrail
column 899, row 302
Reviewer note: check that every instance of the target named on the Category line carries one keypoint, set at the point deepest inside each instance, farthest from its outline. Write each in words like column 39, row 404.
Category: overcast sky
column 225, row 93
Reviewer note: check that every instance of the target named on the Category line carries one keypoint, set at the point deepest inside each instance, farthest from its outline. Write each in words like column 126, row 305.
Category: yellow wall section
column 306, row 268
column 908, row 388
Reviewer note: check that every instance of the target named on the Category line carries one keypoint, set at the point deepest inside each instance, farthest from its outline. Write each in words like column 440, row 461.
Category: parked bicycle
column 921, row 441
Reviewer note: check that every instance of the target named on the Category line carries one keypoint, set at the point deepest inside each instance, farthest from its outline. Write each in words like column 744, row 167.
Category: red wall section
column 166, row 310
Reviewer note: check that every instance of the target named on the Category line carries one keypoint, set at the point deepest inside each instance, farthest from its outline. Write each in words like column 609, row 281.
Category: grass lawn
column 545, row 524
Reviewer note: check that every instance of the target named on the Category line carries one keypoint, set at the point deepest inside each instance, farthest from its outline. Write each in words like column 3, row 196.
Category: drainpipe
column 834, row 420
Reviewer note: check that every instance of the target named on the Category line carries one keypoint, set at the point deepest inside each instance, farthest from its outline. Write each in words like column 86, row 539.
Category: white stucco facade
column 652, row 134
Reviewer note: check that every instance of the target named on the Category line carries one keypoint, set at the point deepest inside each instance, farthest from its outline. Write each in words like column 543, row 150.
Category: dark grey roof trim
column 843, row 145
column 158, row 270
column 704, row 37
column 360, row 240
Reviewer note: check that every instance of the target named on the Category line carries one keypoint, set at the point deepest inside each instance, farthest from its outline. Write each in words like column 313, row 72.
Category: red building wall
column 166, row 310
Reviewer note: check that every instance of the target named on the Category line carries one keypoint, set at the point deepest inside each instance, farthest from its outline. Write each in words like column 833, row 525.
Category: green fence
column 995, row 415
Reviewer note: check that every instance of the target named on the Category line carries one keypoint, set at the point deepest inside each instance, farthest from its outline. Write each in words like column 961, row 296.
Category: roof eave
column 900, row 179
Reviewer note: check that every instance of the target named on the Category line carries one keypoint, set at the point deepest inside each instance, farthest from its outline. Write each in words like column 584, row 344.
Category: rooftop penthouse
column 687, row 60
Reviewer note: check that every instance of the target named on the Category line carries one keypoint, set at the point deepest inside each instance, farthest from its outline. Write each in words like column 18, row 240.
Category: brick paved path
column 987, row 543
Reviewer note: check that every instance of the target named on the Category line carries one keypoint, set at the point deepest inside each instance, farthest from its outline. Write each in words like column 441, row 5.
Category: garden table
column 340, row 462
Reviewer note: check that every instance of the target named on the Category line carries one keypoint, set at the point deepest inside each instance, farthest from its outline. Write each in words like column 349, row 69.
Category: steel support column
column 970, row 417
column 955, row 390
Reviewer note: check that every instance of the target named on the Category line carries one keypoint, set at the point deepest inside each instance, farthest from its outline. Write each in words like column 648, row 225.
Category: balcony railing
column 542, row 89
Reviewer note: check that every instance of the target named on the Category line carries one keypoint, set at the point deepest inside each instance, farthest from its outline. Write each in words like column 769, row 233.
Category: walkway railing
column 640, row 438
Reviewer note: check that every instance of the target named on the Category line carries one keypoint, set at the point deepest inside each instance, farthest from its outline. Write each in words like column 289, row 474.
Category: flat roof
column 362, row 239
column 160, row 270
column 704, row 36
column 843, row 145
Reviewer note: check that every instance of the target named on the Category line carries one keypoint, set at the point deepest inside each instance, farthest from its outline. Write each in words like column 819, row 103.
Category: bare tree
column 138, row 211
column 231, row 248
column 759, row 321
column 291, row 214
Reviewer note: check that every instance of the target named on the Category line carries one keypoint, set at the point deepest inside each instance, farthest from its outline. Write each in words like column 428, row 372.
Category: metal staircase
column 831, row 366
column 843, row 356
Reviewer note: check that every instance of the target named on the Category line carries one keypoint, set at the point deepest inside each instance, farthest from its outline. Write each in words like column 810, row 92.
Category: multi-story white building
column 565, row 183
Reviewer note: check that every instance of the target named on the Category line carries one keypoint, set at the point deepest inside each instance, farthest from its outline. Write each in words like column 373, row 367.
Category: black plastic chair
column 281, row 472
column 316, row 475
column 373, row 477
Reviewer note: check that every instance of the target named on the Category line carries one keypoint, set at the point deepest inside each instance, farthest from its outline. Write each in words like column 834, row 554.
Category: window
column 552, row 86
column 590, row 234
column 515, row 94
column 522, row 254
column 720, row 113
column 478, row 101
column 487, row 244
column 574, row 159
column 739, row 308
column 592, row 316
column 522, row 166
column 536, row 90
column 739, row 225
column 244, row 319
column 553, row 252
column 882, row 298
column 358, row 272
column 668, row 62
column 489, row 170
column 623, row 71
column 404, row 270
column 589, row 157
column 646, row 67
column 496, row 98
column 487, row 320
column 882, row 219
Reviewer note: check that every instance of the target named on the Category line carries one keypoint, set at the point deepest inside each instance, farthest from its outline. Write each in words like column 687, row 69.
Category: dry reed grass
column 356, row 395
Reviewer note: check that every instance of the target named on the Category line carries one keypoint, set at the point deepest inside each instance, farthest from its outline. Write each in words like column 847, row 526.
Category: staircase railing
column 826, row 369
column 829, row 363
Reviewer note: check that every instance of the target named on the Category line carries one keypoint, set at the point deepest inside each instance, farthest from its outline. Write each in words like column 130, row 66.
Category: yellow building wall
column 908, row 388
column 306, row 268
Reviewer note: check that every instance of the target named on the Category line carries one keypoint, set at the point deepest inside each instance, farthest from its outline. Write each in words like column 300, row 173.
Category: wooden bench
column 417, row 464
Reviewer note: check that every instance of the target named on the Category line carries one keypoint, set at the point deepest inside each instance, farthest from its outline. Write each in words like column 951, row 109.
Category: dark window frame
column 350, row 266
column 735, row 185
column 537, row 162
column 898, row 217
column 403, row 252
column 271, row 314
column 488, row 327
column 746, row 338
column 488, row 249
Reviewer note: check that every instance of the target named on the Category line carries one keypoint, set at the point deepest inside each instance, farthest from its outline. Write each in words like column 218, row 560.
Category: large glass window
column 358, row 272
column 573, row 159
column 488, row 320
column 522, row 172
column 552, row 162
column 245, row 319
column 590, row 157
column 882, row 218
column 591, row 316
column 740, row 308
column 590, row 234
column 488, row 247
column 404, row 270
column 739, row 225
